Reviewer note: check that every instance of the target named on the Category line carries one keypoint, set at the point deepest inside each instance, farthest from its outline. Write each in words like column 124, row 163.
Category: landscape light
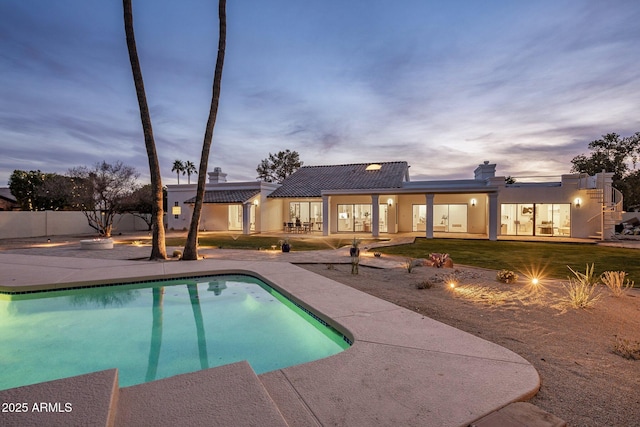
column 535, row 281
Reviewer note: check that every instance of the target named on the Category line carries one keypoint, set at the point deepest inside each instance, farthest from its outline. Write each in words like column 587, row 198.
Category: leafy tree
column 178, row 167
column 101, row 192
column 189, row 169
column 39, row 191
column 140, row 204
column 191, row 248
column 24, row 186
column 158, row 249
column 616, row 154
column 277, row 167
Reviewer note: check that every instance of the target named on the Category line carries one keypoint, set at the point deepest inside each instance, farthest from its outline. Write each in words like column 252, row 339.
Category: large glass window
column 450, row 218
column 306, row 212
column 235, row 217
column 536, row 219
column 419, row 217
column 354, row 218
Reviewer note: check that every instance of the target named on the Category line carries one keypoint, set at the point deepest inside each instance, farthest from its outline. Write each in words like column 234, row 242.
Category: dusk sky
column 443, row 85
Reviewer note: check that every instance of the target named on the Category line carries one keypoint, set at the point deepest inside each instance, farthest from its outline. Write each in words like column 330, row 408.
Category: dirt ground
column 584, row 381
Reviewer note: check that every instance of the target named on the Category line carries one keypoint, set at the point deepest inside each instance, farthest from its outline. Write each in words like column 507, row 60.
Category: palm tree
column 191, row 248
column 178, row 166
column 158, row 248
column 189, row 168
column 156, row 334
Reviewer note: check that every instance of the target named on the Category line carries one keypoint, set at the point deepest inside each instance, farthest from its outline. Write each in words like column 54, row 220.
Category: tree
column 158, row 248
column 39, row 191
column 191, row 246
column 189, row 169
column 277, row 167
column 178, row 167
column 140, row 204
column 100, row 192
column 614, row 154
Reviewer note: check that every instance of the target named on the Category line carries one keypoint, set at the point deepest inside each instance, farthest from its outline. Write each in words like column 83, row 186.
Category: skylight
column 374, row 167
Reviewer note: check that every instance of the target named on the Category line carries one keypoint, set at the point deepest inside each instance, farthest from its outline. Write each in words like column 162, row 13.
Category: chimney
column 485, row 171
column 217, row 176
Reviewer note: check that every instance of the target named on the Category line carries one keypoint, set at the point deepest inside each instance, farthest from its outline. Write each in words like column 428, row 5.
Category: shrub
column 425, row 284
column 614, row 280
column 506, row 276
column 627, row 348
column 438, row 260
column 581, row 290
column 409, row 264
column 177, row 254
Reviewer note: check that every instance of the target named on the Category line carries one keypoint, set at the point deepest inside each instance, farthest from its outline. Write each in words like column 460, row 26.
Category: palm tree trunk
column 158, row 248
column 191, row 247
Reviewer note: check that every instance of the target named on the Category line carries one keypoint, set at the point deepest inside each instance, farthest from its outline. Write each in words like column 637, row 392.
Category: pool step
column 85, row 400
column 230, row 395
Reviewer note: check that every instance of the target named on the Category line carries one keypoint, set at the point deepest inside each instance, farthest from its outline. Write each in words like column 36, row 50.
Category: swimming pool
column 155, row 330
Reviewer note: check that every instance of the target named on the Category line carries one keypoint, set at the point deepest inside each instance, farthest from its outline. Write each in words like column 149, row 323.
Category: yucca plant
column 581, row 289
column 614, row 280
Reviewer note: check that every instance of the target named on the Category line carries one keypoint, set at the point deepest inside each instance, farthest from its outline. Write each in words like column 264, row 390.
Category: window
column 309, row 212
column 235, row 217
column 536, row 219
column 354, row 218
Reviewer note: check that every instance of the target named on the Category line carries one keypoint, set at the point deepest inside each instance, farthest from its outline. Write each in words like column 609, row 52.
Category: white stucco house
column 380, row 198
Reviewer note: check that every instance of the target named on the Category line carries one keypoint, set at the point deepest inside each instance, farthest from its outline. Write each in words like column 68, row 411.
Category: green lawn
column 257, row 242
column 522, row 257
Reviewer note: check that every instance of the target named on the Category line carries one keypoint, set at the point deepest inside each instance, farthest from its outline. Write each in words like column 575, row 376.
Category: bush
column 614, row 280
column 425, row 284
column 627, row 348
column 177, row 254
column 581, row 290
column 506, row 276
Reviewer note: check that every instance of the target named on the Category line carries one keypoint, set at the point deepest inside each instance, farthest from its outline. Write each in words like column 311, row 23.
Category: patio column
column 375, row 215
column 429, row 227
column 325, row 215
column 493, row 216
column 246, row 217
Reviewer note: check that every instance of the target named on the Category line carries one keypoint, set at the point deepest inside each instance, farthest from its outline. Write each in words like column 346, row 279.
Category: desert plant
column 506, row 276
column 409, row 264
column 581, row 290
column 587, row 277
column 177, row 254
column 425, row 284
column 627, row 348
column 438, row 260
column 614, row 280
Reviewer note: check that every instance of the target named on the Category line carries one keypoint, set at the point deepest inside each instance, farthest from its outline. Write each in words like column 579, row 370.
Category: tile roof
column 226, row 196
column 310, row 181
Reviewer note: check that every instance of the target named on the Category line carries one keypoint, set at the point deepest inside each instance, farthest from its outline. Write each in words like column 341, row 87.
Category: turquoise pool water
column 155, row 330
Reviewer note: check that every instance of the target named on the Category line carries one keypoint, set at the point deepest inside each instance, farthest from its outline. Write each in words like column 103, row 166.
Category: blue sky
column 442, row 85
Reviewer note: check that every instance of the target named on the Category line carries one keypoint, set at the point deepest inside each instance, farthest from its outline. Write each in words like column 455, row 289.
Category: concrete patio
column 403, row 368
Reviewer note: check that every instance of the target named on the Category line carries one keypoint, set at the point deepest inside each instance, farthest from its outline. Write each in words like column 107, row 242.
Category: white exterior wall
column 24, row 224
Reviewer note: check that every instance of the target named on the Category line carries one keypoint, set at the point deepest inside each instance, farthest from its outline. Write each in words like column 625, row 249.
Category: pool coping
column 403, row 368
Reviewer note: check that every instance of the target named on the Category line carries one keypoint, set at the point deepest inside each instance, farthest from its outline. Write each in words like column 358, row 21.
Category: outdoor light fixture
column 255, row 202
column 473, row 202
column 176, row 210
column 535, row 281
column 389, row 202
column 578, row 202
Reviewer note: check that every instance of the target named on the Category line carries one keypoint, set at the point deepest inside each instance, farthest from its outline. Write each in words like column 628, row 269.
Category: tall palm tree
column 191, row 248
column 158, row 248
column 178, row 166
column 189, row 168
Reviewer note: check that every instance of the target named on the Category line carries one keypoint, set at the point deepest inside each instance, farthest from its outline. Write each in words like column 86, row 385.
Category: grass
column 526, row 258
column 256, row 242
column 546, row 259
